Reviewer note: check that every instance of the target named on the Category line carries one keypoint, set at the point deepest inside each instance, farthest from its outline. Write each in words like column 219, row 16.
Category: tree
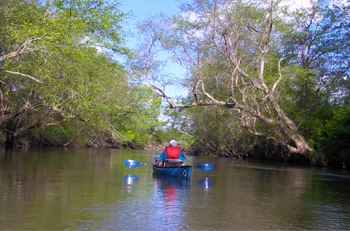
column 56, row 65
column 317, row 46
column 229, row 49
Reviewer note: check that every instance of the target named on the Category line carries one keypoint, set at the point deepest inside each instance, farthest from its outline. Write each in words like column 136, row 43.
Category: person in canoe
column 172, row 157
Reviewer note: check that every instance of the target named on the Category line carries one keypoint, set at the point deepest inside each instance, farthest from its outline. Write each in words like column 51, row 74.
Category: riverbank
column 195, row 151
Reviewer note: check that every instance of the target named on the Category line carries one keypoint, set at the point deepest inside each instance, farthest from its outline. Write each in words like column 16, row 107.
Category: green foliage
column 59, row 75
column 55, row 136
column 144, row 109
column 328, row 129
column 336, row 132
column 317, row 94
column 276, row 73
column 58, row 69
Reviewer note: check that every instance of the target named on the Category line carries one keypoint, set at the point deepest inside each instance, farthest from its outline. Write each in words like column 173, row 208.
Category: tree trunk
column 9, row 143
column 76, row 135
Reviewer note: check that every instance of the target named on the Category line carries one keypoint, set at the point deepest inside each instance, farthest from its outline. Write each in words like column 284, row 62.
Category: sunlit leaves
column 67, row 47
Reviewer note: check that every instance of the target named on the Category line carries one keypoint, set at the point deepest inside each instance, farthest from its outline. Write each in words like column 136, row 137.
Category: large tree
column 317, row 46
column 229, row 53
column 56, row 64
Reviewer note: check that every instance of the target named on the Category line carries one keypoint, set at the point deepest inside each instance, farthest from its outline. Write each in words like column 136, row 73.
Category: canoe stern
column 183, row 171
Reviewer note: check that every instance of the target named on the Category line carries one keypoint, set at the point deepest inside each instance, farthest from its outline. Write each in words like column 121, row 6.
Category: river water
column 92, row 189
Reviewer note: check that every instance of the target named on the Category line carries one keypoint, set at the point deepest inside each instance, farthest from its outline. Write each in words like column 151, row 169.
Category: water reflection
column 130, row 179
column 92, row 189
column 205, row 183
column 173, row 196
column 166, row 182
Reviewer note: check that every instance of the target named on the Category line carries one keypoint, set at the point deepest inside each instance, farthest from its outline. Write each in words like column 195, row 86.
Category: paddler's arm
column 183, row 158
column 161, row 158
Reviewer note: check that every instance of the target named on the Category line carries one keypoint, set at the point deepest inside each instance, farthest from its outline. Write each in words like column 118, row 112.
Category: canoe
column 182, row 171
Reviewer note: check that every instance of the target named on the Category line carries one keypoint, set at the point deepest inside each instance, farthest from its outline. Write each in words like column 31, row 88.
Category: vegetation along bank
column 262, row 80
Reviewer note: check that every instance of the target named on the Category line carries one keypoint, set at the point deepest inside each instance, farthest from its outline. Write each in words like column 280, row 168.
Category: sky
column 142, row 7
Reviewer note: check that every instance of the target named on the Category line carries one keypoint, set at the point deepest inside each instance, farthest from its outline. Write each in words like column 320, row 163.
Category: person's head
column 172, row 143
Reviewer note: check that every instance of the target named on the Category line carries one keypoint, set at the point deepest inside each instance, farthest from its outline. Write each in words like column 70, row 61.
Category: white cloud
column 297, row 4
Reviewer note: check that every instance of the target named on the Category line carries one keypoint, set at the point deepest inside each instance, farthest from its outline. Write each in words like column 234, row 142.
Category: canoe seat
column 172, row 163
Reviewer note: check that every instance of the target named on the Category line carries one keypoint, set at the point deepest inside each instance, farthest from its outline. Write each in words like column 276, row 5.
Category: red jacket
column 173, row 152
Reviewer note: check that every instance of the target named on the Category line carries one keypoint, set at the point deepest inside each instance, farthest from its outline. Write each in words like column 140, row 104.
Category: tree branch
column 21, row 74
column 280, row 78
column 20, row 50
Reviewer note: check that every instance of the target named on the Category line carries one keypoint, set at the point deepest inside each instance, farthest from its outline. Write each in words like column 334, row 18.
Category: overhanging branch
column 20, row 50
column 21, row 74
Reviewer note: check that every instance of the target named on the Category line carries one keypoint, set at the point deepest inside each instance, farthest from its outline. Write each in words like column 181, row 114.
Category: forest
column 262, row 79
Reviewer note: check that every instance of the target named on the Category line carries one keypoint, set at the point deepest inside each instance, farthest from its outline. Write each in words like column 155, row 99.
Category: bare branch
column 20, row 50
column 280, row 78
column 47, row 12
column 73, row 138
column 21, row 74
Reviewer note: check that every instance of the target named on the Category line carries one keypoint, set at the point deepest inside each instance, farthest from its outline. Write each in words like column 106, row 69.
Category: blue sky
column 142, row 7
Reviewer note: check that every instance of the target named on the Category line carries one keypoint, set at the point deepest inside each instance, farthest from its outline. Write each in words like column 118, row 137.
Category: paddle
column 134, row 164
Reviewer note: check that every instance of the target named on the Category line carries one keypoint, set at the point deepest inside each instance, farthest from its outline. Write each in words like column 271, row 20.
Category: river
column 92, row 189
